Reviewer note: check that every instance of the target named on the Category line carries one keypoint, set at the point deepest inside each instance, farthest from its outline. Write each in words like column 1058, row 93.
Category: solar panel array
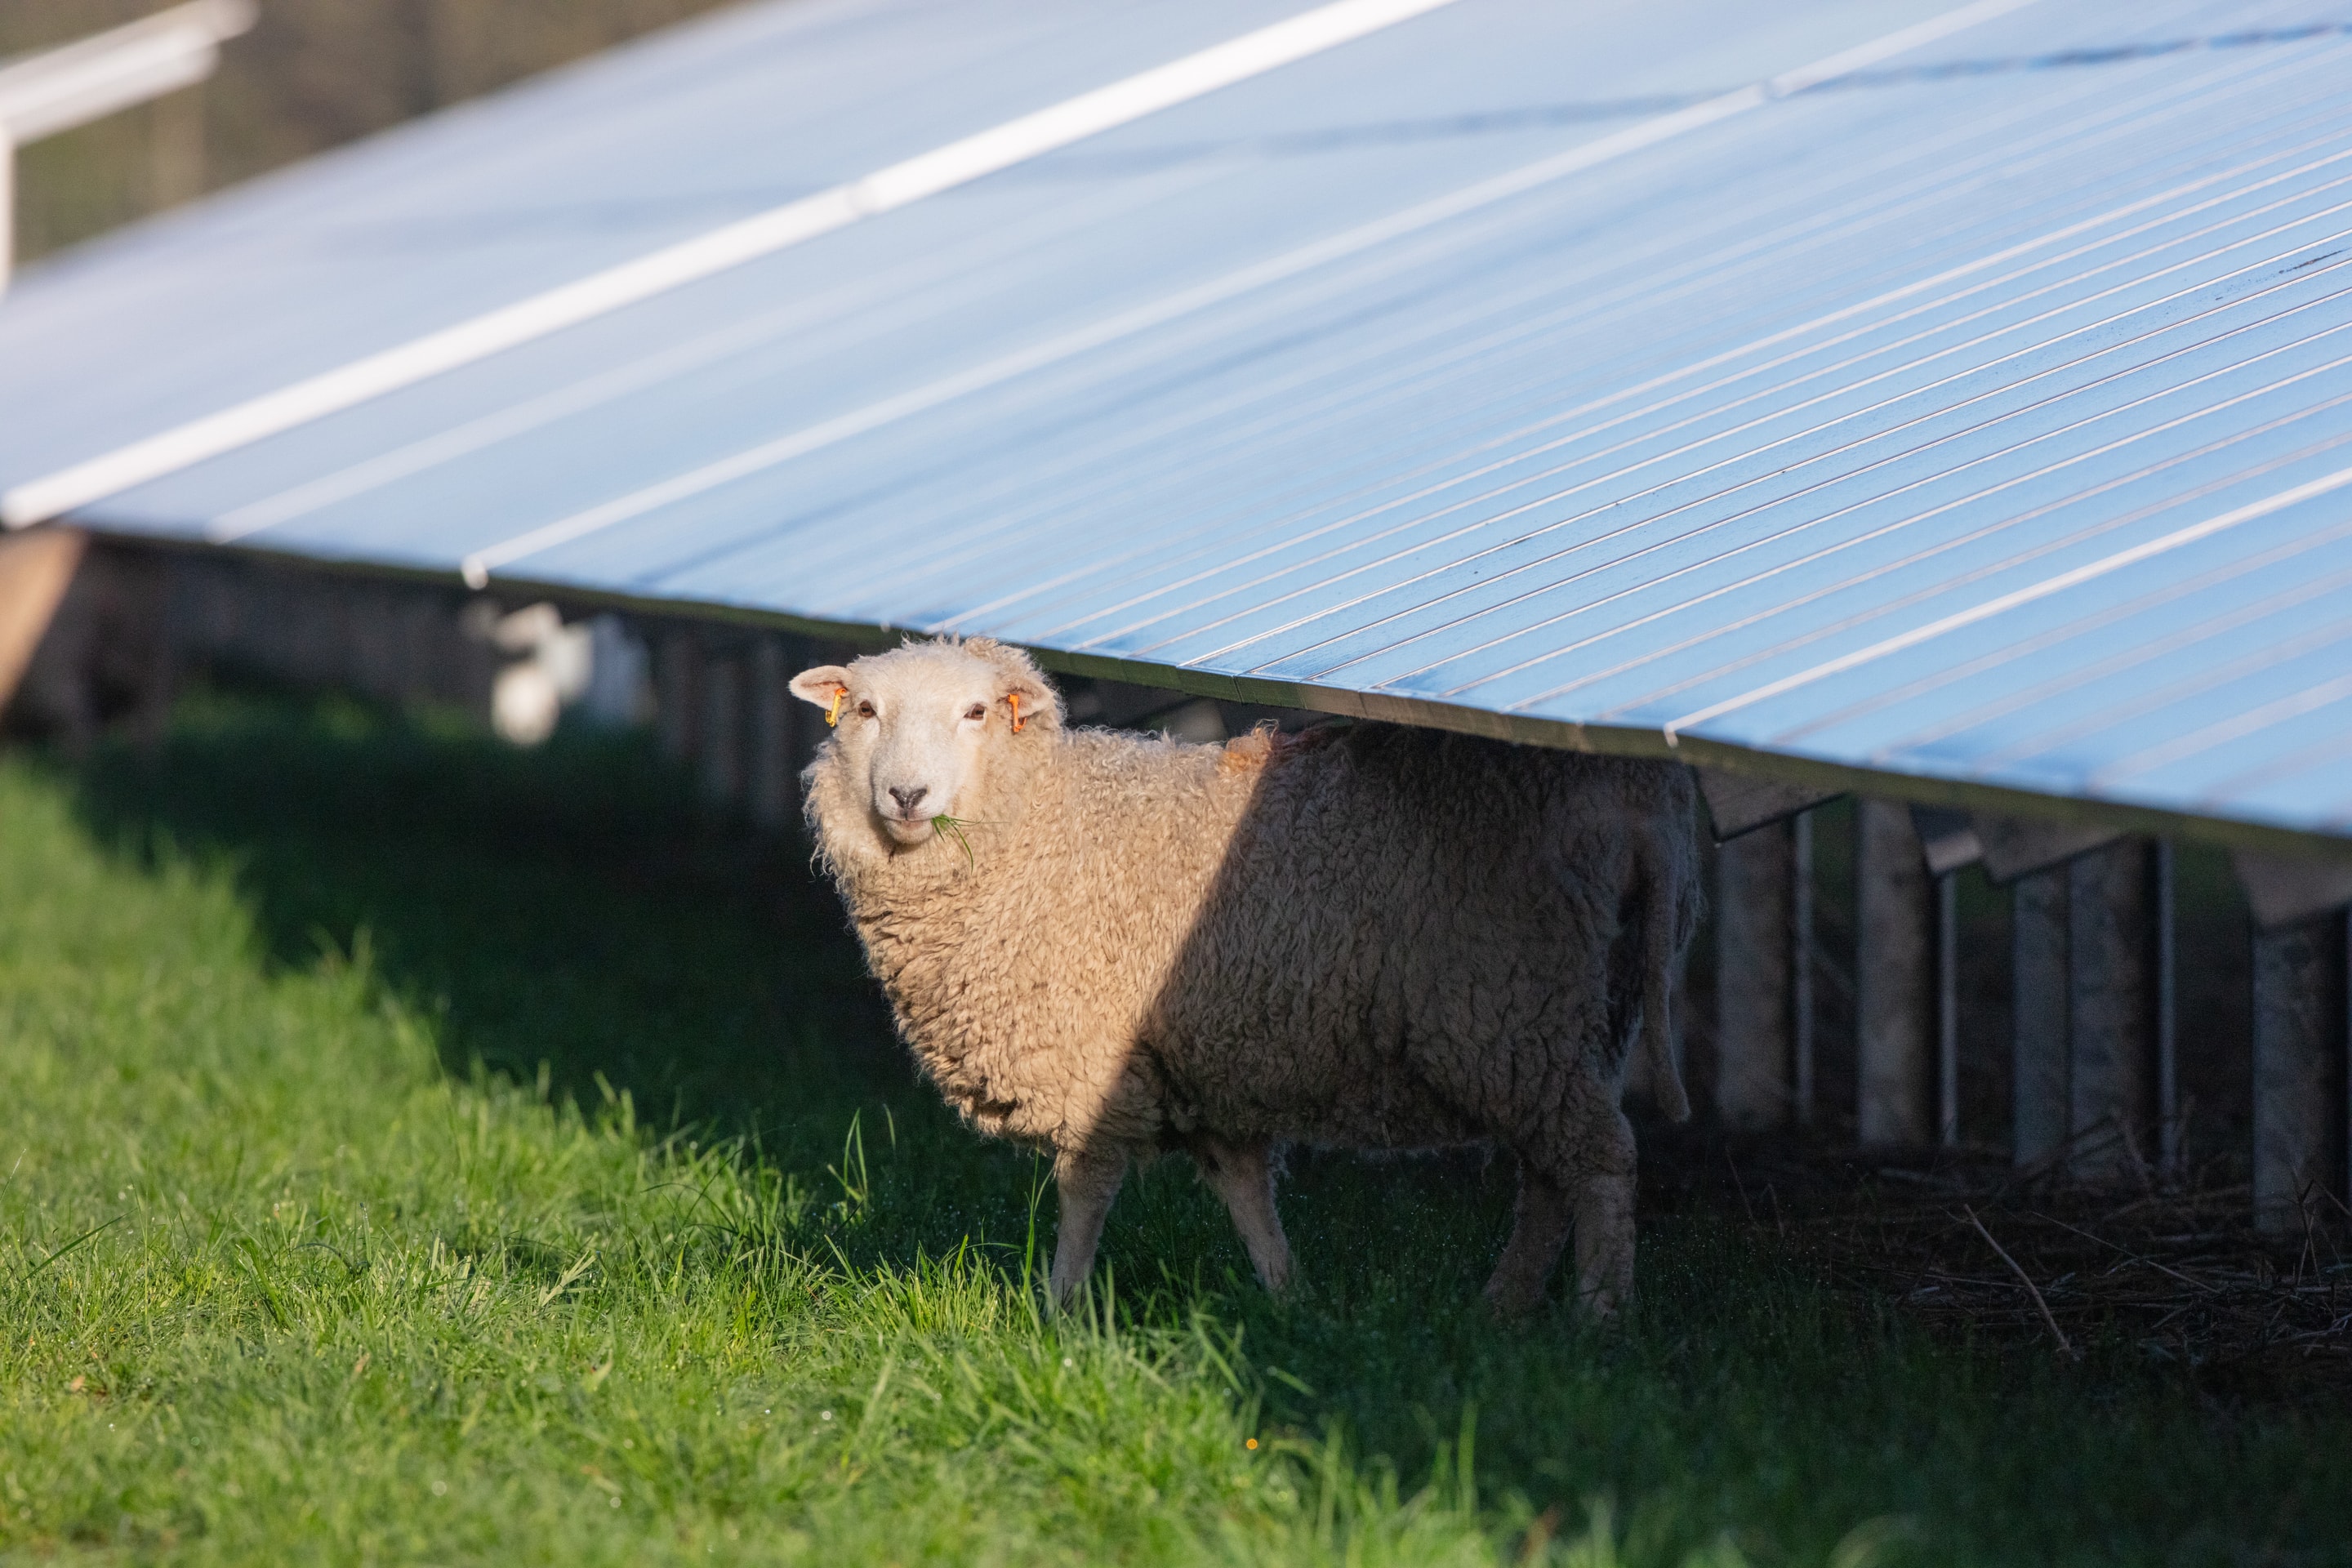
column 1980, row 412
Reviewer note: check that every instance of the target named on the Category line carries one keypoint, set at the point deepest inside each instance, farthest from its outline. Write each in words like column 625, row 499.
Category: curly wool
column 1368, row 937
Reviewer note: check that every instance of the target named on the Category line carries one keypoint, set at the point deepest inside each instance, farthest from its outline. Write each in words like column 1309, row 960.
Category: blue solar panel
column 1983, row 414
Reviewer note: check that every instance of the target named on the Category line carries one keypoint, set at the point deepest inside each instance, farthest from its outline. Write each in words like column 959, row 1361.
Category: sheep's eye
column 977, row 710
column 865, row 710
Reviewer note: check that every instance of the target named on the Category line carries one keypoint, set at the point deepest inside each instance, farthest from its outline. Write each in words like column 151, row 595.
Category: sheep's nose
column 906, row 798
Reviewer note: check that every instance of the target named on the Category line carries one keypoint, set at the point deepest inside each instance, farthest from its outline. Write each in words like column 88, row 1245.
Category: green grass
column 412, row 1151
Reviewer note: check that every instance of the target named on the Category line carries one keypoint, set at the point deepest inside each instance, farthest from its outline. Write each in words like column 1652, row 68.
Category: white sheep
column 596, row 668
column 1371, row 937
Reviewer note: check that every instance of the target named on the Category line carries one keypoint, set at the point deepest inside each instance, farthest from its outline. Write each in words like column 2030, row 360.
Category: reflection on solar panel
column 1965, row 395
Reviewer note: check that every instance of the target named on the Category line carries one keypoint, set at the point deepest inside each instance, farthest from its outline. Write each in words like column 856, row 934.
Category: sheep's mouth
column 908, row 830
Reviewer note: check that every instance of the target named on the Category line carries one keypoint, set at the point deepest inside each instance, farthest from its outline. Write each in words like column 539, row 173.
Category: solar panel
column 1965, row 396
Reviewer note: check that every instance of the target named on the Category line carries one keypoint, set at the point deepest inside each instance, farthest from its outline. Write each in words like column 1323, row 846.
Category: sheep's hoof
column 1512, row 1299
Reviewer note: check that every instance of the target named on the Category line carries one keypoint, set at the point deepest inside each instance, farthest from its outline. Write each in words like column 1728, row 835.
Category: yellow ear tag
column 833, row 714
column 1014, row 698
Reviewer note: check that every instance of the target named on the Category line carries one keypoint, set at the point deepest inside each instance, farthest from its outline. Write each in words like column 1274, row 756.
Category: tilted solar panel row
column 1979, row 414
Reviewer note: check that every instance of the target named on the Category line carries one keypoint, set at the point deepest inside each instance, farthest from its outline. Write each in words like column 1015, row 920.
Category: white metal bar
column 97, row 88
column 57, row 89
column 778, row 228
column 60, row 89
column 7, row 205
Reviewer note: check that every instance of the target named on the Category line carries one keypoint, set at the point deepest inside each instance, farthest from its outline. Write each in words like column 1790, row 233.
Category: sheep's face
column 914, row 726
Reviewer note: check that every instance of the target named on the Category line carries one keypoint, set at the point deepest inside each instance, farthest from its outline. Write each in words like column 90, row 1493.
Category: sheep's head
column 918, row 727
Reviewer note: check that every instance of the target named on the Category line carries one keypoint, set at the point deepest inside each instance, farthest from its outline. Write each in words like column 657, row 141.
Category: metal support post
column 1894, row 939
column 2170, row 1132
column 2111, row 1076
column 175, row 172
column 377, row 650
column 678, row 675
column 723, row 715
column 775, row 786
column 1948, row 1010
column 1753, row 974
column 1949, row 843
column 2298, row 1005
column 1801, row 965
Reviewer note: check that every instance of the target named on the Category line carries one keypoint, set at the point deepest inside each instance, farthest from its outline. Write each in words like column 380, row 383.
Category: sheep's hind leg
column 1087, row 1180
column 1604, row 1219
column 1604, row 1243
column 1539, row 1223
column 1242, row 1175
column 1593, row 1190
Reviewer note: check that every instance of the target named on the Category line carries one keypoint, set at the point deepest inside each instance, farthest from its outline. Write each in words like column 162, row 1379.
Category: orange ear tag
column 833, row 713
column 1014, row 698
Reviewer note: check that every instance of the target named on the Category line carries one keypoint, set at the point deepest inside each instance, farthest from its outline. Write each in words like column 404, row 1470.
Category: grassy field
column 413, row 1151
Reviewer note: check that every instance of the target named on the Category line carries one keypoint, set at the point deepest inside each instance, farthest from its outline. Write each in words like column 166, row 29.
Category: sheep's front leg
column 1242, row 1175
column 1087, row 1180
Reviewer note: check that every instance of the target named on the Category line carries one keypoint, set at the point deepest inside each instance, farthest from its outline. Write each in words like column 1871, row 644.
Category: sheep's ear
column 822, row 684
column 1017, row 676
column 1038, row 703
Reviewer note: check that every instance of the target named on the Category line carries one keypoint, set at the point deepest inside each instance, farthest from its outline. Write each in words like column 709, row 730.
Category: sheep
column 595, row 668
column 1108, row 946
